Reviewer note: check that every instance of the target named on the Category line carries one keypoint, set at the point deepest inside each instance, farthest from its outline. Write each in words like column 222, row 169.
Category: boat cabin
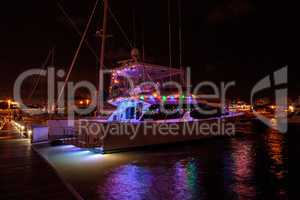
column 129, row 110
column 136, row 110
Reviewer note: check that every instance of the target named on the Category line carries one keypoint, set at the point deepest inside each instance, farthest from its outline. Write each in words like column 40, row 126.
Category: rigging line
column 143, row 34
column 133, row 27
column 39, row 78
column 170, row 35
column 77, row 30
column 143, row 48
column 120, row 27
column 180, row 32
column 78, row 49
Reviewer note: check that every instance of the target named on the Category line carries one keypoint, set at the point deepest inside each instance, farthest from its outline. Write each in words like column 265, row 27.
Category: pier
column 24, row 174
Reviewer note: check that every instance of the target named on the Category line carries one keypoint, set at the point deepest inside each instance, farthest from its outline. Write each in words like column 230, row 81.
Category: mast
column 101, row 86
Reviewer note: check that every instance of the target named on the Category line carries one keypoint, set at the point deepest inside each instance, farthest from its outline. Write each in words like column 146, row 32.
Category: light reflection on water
column 273, row 142
column 128, row 182
column 253, row 167
column 243, row 169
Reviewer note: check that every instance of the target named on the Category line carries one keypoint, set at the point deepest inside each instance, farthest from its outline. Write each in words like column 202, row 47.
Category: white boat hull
column 122, row 136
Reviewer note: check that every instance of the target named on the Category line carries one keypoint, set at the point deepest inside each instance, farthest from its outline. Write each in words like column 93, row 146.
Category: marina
column 146, row 100
column 85, row 173
column 186, row 167
column 189, row 168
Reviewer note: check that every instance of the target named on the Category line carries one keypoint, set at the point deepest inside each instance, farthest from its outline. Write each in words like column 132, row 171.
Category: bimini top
column 130, row 79
column 151, row 72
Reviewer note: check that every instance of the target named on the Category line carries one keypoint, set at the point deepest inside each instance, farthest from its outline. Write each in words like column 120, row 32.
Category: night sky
column 241, row 40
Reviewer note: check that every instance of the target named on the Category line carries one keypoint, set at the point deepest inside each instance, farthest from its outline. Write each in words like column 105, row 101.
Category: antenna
column 52, row 56
column 170, row 34
column 143, row 47
column 143, row 36
column 179, row 33
column 133, row 27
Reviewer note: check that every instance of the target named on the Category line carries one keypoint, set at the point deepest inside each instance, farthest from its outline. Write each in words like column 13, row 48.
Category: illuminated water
column 242, row 168
column 251, row 167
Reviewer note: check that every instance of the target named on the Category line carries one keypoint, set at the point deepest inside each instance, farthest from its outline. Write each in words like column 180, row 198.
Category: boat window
column 129, row 113
column 155, row 112
column 139, row 110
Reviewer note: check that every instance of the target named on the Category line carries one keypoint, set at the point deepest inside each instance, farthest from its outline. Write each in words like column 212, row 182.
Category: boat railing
column 72, row 134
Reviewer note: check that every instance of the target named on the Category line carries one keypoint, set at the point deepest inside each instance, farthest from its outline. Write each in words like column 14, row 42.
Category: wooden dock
column 23, row 173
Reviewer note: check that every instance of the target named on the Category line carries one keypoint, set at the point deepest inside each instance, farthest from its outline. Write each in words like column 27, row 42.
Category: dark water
column 251, row 167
